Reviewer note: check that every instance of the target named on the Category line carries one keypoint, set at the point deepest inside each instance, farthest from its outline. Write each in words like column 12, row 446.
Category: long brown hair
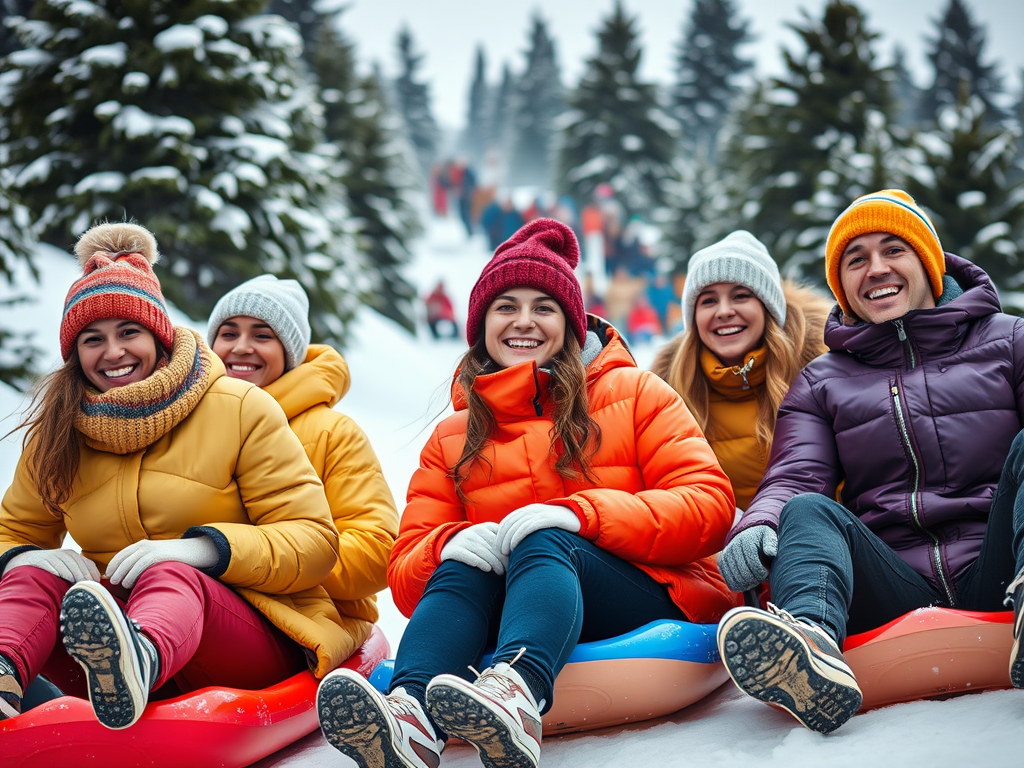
column 50, row 429
column 783, row 360
column 573, row 428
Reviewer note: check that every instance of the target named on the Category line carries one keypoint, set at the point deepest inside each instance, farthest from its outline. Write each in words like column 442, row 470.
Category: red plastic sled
column 222, row 727
column 932, row 652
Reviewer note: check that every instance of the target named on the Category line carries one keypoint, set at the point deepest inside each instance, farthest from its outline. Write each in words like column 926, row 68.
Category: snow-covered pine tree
column 791, row 128
column 615, row 130
column 499, row 111
column 906, row 96
column 708, row 69
column 474, row 138
column 538, row 100
column 958, row 70
column 376, row 180
column 9, row 11
column 18, row 356
column 962, row 181
column 308, row 16
column 195, row 120
column 412, row 97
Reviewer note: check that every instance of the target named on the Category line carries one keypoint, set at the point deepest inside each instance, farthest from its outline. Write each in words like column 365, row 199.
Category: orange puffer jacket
column 658, row 497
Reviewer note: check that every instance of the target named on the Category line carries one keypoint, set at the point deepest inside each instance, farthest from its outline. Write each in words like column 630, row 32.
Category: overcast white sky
column 448, row 31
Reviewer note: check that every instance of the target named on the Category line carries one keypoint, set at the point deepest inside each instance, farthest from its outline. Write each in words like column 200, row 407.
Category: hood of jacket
column 322, row 377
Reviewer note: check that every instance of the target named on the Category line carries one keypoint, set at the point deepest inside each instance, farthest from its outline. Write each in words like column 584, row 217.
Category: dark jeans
column 835, row 572
column 559, row 590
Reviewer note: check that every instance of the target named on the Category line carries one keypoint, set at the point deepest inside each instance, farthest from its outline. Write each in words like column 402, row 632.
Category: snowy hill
column 399, row 389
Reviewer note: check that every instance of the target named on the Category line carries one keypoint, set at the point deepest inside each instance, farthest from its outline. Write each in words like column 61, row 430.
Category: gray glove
column 476, row 546
column 741, row 560
column 522, row 522
column 127, row 565
column 63, row 563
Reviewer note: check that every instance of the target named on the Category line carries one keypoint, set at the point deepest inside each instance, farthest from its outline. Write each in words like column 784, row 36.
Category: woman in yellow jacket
column 260, row 330
column 747, row 335
column 185, row 488
column 570, row 497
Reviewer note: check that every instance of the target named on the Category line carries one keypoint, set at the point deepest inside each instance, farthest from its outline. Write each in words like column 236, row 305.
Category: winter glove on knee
column 63, row 563
column 127, row 565
column 533, row 517
column 742, row 560
column 476, row 547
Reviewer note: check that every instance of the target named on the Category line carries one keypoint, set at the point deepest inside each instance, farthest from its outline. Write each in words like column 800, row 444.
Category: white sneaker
column 497, row 714
column 1015, row 597
column 374, row 730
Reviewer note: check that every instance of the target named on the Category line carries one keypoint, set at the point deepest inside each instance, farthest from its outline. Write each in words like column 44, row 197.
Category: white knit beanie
column 281, row 304
column 738, row 258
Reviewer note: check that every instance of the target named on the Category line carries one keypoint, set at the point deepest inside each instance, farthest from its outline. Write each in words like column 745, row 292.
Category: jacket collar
column 322, row 378
column 929, row 333
column 734, row 382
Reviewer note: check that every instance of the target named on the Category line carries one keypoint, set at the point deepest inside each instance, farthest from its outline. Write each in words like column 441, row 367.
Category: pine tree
column 500, row 111
column 9, row 10
column 790, row 130
column 962, row 180
column 375, row 180
column 956, row 55
column 413, row 102
column 708, row 67
column 475, row 136
column 309, row 16
column 906, row 96
column 195, row 120
column 616, row 131
column 538, row 100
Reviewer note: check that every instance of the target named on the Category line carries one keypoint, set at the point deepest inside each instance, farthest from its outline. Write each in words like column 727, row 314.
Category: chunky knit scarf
column 127, row 419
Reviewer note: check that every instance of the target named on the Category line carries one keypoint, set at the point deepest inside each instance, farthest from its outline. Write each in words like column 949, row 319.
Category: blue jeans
column 559, row 590
column 832, row 570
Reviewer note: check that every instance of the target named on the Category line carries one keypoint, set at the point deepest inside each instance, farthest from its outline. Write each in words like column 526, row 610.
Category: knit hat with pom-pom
column 118, row 282
column 541, row 255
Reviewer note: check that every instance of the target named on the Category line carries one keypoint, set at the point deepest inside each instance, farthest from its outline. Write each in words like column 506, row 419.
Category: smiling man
column 916, row 412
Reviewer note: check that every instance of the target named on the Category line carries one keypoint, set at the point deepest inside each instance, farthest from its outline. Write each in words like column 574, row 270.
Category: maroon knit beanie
column 541, row 255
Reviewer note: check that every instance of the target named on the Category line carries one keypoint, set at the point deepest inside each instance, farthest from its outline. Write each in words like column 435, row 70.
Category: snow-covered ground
column 399, row 389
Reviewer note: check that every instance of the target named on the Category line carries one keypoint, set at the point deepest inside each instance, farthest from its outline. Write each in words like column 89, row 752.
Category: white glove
column 63, row 563
column 475, row 546
column 519, row 524
column 741, row 562
column 127, row 565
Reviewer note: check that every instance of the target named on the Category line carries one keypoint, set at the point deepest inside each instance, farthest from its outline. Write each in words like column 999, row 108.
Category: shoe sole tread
column 348, row 713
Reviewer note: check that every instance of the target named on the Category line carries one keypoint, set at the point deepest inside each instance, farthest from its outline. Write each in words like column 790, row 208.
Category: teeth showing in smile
column 880, row 292
column 730, row 331
column 242, row 368
column 117, row 373
column 522, row 343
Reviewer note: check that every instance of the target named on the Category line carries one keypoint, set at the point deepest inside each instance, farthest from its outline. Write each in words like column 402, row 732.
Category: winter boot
column 374, row 730
column 11, row 691
column 497, row 714
column 1015, row 596
column 120, row 662
column 790, row 663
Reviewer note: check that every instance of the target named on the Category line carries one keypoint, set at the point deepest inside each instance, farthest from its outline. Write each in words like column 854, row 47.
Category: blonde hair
column 572, row 424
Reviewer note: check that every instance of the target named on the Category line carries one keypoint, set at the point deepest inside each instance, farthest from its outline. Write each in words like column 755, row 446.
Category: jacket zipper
column 936, row 552
column 537, row 406
column 902, row 335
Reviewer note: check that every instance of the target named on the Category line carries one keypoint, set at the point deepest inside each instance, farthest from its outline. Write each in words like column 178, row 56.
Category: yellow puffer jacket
column 361, row 502
column 234, row 469
column 732, row 410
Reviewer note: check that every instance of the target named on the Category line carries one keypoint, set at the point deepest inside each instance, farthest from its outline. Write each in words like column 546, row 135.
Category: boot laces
column 802, row 623
column 495, row 681
column 1014, row 585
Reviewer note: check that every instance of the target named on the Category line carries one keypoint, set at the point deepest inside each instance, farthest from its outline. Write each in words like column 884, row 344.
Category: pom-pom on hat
column 541, row 255
column 118, row 281
column 892, row 211
column 737, row 258
column 281, row 304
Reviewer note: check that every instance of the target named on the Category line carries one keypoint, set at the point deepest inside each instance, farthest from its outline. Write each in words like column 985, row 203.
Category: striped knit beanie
column 892, row 211
column 281, row 304
column 118, row 282
column 541, row 255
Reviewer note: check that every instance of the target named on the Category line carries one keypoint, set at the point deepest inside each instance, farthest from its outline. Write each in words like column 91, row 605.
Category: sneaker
column 497, row 714
column 120, row 663
column 11, row 692
column 789, row 663
column 1015, row 596
column 374, row 730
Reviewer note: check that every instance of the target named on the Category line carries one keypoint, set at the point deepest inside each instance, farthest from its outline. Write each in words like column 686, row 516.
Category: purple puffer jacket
column 915, row 417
